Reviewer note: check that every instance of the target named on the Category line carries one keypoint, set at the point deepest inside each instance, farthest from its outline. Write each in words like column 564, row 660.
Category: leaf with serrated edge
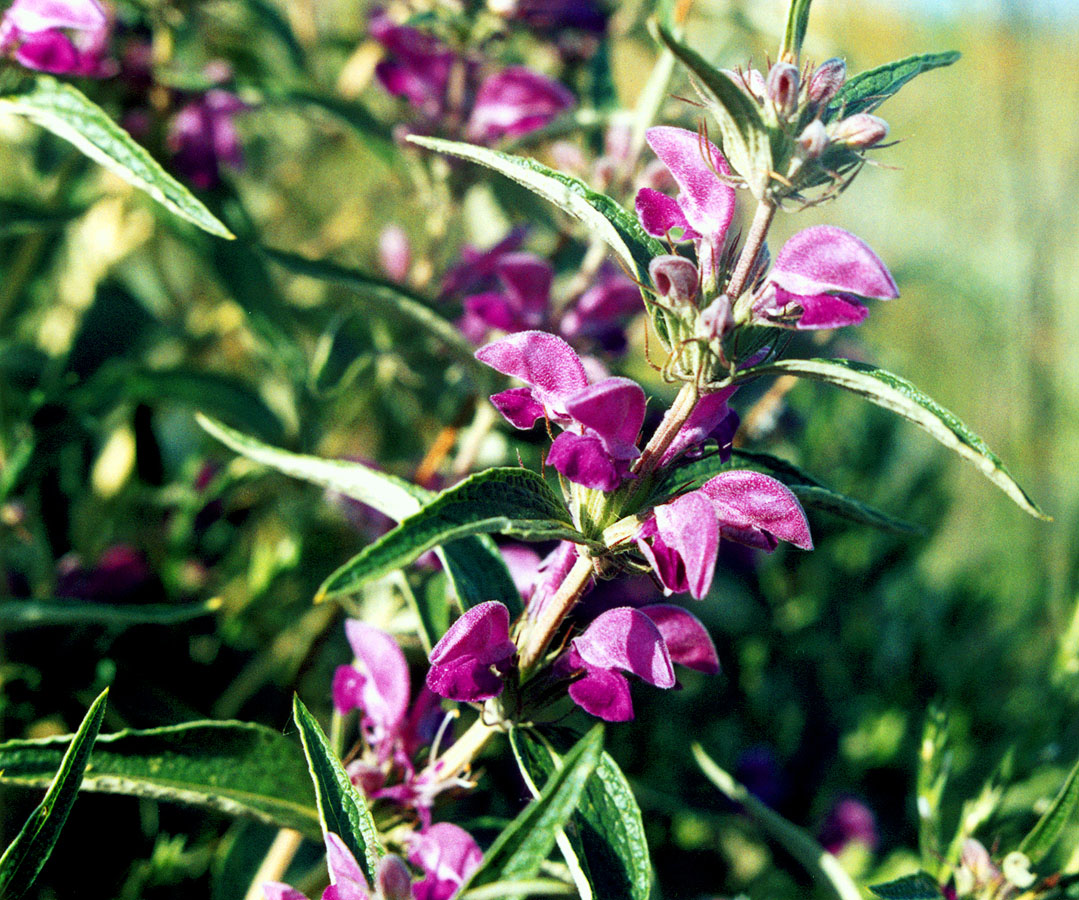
column 512, row 501
column 67, row 113
column 1048, row 828
column 821, row 864
column 898, row 395
column 474, row 564
column 341, row 808
column 524, row 845
column 746, row 142
column 919, row 886
column 25, row 856
column 610, row 832
column 868, row 90
column 236, row 768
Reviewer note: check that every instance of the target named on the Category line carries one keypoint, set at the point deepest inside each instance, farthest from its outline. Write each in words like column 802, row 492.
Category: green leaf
column 18, row 614
column 795, row 34
column 341, row 808
column 520, row 850
column 603, row 217
column 934, row 770
column 19, row 218
column 822, row 865
column 24, row 857
column 233, row 767
column 377, row 136
column 384, row 298
column 745, row 139
column 609, row 832
column 919, row 886
column 473, row 564
column 868, row 90
column 901, row 397
column 513, row 501
column 66, row 112
column 1049, row 827
column 532, row 887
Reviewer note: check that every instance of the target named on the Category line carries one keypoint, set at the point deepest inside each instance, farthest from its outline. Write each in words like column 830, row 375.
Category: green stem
column 539, row 634
column 458, row 758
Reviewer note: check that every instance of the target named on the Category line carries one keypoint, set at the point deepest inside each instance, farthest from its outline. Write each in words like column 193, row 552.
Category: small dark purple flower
column 417, row 66
column 477, row 268
column 849, row 821
column 121, row 574
column 600, row 314
column 203, row 137
column 552, row 15
column 466, row 664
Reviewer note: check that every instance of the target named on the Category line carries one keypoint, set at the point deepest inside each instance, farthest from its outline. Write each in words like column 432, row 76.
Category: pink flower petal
column 527, row 280
column 585, row 461
column 345, row 873
column 603, row 693
column 516, row 101
column 709, row 413
column 757, row 510
column 625, row 638
column 687, row 639
column 708, row 203
column 275, row 890
column 385, row 689
column 539, row 359
column 614, row 409
column 448, row 855
column 33, row 16
column 518, row 407
column 688, row 526
column 660, row 215
column 461, row 662
column 825, row 259
column 817, row 310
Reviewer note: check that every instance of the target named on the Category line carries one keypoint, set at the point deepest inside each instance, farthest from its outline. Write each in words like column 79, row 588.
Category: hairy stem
column 539, row 634
column 458, row 758
column 758, row 231
column 672, row 423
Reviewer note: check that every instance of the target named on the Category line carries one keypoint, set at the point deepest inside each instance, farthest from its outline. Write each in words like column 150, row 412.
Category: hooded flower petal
column 825, row 259
column 384, row 681
column 709, row 417
column 660, row 215
column 625, row 638
column 687, row 640
column 275, row 890
column 417, row 66
column 393, row 879
column 518, row 407
column 708, row 203
column 33, row 16
column 614, row 409
column 448, row 855
column 347, row 881
column 515, row 101
column 584, row 460
column 757, row 510
column 684, row 542
column 539, row 359
column 461, row 663
column 812, row 312
column 603, row 693
column 527, row 279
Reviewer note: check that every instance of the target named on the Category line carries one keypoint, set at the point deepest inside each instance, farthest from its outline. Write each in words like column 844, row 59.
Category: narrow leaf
column 532, row 887
column 513, row 501
column 239, row 769
column 25, row 856
column 384, row 298
column 868, row 90
column 18, row 614
column 822, row 865
column 795, row 34
column 609, row 832
column 901, row 397
column 341, row 808
column 919, row 886
column 520, row 850
column 1048, row 828
column 66, row 112
column 745, row 139
column 473, row 564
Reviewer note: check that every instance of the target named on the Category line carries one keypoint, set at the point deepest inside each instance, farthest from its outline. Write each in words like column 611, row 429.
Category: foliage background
column 831, row 658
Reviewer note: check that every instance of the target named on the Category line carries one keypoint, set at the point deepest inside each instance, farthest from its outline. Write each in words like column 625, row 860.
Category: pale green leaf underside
column 25, row 856
column 67, row 113
column 868, row 90
column 233, row 767
column 511, row 501
column 341, row 808
column 919, row 886
column 898, row 395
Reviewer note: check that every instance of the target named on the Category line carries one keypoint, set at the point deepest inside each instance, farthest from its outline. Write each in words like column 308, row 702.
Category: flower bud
column 826, row 81
column 392, row 880
column 813, row 140
column 718, row 318
column 394, row 252
column 675, row 278
column 783, row 88
column 860, row 130
column 750, row 80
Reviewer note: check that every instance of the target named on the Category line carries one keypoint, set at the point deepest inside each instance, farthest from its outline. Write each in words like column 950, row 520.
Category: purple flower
column 680, row 539
column 513, row 102
column 448, row 855
column 378, row 684
column 466, row 664
column 417, row 66
column 817, row 279
column 477, row 268
column 643, row 642
column 347, row 881
column 711, row 418
column 600, row 313
column 394, row 253
column 704, row 207
column 65, row 37
column 202, row 137
column 849, row 821
column 551, row 15
column 601, row 420
column 121, row 574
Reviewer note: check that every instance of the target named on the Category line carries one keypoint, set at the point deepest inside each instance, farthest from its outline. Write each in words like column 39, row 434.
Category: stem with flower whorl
column 539, row 634
column 758, row 231
column 459, row 756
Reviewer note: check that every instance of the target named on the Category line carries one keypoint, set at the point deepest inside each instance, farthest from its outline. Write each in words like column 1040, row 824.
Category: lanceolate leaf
column 66, row 112
column 520, row 850
column 233, row 767
column 919, row 886
column 868, row 90
column 25, row 855
column 797, row 22
column 473, row 564
column 609, row 832
column 511, row 501
column 745, row 138
column 822, row 865
column 341, row 808
column 901, row 397
column 1048, row 828
column 19, row 614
